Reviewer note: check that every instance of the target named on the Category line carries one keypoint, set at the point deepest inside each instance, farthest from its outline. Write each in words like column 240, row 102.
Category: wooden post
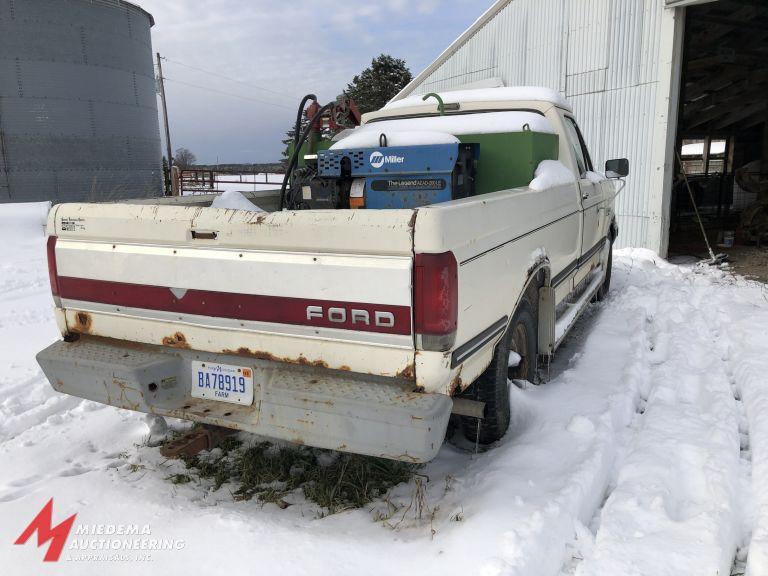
column 165, row 113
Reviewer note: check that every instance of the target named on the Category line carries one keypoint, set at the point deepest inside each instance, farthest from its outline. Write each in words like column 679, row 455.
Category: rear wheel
column 492, row 387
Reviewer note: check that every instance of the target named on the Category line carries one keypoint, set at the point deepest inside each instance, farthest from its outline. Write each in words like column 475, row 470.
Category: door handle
column 200, row 235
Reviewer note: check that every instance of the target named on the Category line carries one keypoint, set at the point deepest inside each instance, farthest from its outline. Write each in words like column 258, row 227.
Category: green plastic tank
column 509, row 159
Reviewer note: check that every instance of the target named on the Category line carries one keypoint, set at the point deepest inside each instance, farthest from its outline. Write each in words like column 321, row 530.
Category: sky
column 251, row 61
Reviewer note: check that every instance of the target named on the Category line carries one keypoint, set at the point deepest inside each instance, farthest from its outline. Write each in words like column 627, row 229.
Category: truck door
column 591, row 195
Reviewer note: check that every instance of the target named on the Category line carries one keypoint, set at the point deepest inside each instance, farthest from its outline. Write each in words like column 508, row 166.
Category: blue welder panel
column 397, row 176
column 390, row 160
column 382, row 192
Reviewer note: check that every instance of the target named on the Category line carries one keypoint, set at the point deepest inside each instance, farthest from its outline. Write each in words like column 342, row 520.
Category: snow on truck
column 420, row 262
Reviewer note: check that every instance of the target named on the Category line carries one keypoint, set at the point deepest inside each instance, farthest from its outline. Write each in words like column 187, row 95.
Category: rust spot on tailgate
column 409, row 372
column 83, row 323
column 262, row 355
column 177, row 340
column 251, row 353
column 304, row 362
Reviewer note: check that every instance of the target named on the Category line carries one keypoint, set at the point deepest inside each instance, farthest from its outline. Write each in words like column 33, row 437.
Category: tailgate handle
column 196, row 235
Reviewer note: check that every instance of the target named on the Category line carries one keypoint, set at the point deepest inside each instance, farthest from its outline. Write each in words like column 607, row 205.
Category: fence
column 202, row 181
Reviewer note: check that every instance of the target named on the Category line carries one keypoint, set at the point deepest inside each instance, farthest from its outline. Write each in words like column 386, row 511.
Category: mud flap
column 546, row 320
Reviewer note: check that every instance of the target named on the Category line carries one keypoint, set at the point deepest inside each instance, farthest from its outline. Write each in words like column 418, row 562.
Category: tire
column 602, row 292
column 492, row 386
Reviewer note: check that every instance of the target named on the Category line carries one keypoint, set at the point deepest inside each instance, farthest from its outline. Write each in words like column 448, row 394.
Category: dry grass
column 270, row 473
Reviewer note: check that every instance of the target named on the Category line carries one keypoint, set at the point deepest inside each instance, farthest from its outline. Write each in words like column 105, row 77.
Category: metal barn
column 78, row 112
column 646, row 78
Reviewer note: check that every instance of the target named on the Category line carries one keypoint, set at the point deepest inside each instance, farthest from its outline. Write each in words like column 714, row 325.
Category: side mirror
column 618, row 168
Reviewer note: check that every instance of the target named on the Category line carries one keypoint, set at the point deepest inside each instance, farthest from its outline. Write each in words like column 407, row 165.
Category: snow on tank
column 369, row 138
column 501, row 94
column 461, row 124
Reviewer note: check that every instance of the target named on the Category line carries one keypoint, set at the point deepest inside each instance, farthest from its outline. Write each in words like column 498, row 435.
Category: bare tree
column 184, row 158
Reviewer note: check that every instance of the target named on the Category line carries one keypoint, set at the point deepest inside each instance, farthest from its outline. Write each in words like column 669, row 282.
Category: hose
column 297, row 149
column 296, row 136
column 297, row 126
column 440, row 105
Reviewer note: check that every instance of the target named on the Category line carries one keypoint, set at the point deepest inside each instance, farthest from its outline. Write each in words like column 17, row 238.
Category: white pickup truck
column 353, row 330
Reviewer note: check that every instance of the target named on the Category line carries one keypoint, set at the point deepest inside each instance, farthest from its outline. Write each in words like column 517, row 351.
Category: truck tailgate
column 325, row 288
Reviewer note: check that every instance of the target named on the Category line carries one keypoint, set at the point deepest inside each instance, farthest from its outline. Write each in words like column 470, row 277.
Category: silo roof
column 121, row 4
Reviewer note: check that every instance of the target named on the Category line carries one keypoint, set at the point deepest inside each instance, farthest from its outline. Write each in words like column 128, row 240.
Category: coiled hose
column 298, row 143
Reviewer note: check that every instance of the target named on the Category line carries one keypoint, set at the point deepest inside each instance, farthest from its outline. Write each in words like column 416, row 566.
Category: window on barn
column 700, row 159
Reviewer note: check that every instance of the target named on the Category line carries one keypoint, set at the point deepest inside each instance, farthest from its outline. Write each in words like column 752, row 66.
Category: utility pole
column 165, row 114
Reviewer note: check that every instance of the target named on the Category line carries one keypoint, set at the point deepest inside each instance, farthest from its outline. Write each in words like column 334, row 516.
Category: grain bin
column 78, row 111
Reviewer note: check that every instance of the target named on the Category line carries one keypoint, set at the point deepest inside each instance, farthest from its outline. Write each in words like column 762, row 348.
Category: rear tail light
column 436, row 300
column 53, row 274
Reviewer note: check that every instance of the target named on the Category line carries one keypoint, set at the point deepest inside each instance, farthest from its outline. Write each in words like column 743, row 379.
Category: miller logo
column 377, row 159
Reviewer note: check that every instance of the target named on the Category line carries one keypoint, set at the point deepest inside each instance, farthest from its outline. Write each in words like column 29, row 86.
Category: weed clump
column 334, row 481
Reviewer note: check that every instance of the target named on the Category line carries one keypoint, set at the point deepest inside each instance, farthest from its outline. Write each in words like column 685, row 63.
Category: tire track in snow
column 568, row 444
column 745, row 492
column 718, row 321
column 751, row 375
column 681, row 475
column 744, row 342
column 650, row 345
column 647, row 347
column 721, row 318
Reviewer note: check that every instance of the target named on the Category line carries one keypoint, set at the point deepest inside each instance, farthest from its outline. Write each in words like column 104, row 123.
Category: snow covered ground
column 646, row 452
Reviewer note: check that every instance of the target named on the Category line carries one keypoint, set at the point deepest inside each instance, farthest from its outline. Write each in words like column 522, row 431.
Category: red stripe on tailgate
column 277, row 309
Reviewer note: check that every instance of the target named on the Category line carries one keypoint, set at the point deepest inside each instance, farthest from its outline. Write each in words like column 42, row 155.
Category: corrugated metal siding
column 603, row 55
column 78, row 111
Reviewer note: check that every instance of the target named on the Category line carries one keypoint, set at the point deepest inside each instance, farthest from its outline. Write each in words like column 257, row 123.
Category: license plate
column 222, row 382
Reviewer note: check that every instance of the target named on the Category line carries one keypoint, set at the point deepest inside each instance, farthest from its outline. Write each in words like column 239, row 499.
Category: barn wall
column 615, row 62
